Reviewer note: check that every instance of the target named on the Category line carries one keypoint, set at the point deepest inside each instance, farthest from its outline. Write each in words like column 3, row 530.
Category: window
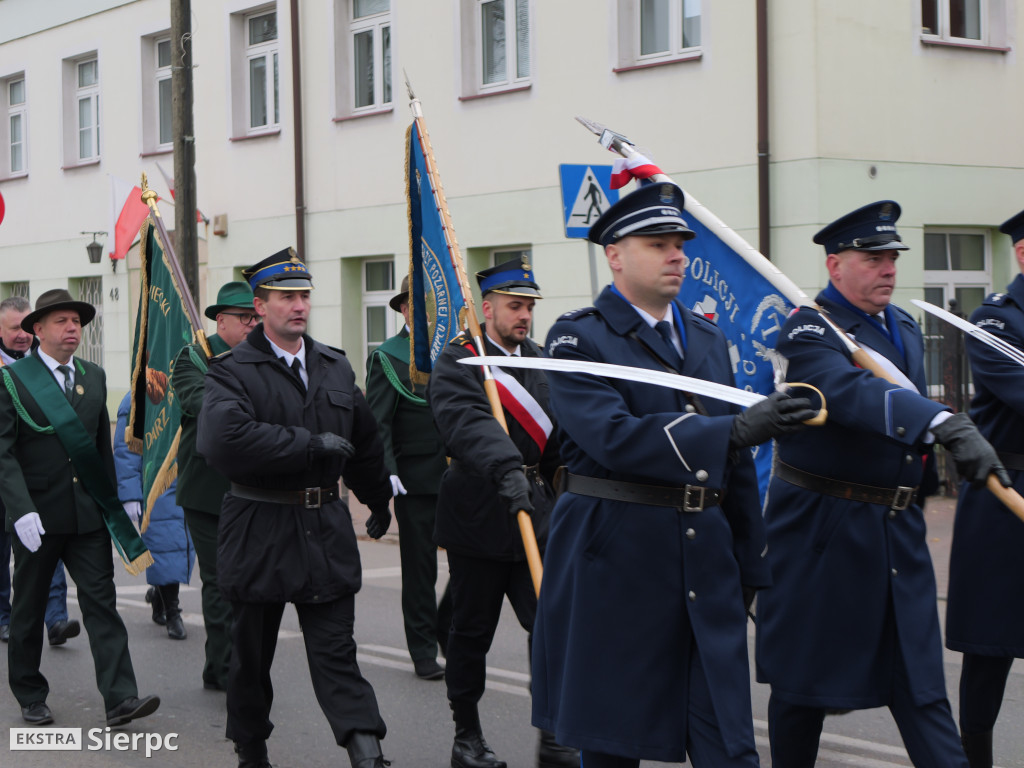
column 964, row 22
column 379, row 320
column 496, row 46
column 163, row 93
column 87, row 101
column 12, row 131
column 371, row 53
column 956, row 268
column 157, row 58
column 507, row 254
column 658, row 31
column 18, row 288
column 261, row 63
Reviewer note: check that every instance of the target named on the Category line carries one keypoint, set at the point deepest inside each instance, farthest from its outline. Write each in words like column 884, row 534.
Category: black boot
column 172, row 612
column 153, row 597
column 978, row 748
column 470, row 750
column 252, row 754
column 364, row 751
column 551, row 754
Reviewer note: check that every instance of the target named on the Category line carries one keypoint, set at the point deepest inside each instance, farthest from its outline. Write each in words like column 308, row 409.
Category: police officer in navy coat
column 851, row 620
column 657, row 544
column 986, row 582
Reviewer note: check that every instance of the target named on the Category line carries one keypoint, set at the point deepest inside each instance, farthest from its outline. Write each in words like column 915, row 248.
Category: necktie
column 665, row 331
column 66, row 372
column 297, row 370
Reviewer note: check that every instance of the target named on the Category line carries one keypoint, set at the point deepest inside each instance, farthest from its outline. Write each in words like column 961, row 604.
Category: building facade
column 915, row 101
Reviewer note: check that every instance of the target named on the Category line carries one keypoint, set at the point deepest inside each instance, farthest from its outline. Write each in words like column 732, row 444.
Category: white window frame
column 992, row 30
column 152, row 77
column 87, row 93
column 630, row 55
column 379, row 298
column 270, row 52
column 383, row 88
column 472, row 47
column 509, row 252
column 11, row 111
column 161, row 75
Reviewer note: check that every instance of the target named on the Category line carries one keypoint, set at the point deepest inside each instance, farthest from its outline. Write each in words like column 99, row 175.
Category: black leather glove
column 975, row 458
column 775, row 415
column 330, row 444
column 378, row 523
column 514, row 490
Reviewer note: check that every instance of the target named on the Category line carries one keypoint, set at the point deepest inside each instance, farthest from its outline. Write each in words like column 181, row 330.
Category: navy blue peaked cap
column 653, row 209
column 1014, row 227
column 871, row 228
column 513, row 278
column 281, row 272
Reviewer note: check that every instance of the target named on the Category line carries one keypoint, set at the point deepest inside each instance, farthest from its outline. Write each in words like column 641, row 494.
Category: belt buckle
column 688, row 492
column 903, row 497
column 308, row 495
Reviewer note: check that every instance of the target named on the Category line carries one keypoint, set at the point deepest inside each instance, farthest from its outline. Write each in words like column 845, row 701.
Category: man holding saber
column 851, row 620
column 650, row 562
column 986, row 582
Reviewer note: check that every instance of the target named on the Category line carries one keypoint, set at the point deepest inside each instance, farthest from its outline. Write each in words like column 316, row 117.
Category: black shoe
column 364, row 751
column 551, row 754
column 5, row 633
column 428, row 669
column 62, row 631
column 252, row 754
column 471, row 751
column 172, row 611
column 132, row 708
column 37, row 714
column 213, row 685
column 153, row 596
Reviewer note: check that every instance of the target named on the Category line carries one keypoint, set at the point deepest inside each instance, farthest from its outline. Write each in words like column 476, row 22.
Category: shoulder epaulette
column 997, row 299
column 704, row 319
column 576, row 314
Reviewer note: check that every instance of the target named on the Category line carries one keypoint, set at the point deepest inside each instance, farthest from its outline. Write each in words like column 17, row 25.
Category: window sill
column 15, row 176
column 939, row 42
column 695, row 56
column 495, row 92
column 262, row 134
column 84, row 164
column 157, row 152
column 357, row 115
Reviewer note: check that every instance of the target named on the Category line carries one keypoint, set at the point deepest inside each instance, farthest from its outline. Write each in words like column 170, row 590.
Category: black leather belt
column 894, row 498
column 310, row 498
column 1012, row 460
column 689, row 498
column 532, row 471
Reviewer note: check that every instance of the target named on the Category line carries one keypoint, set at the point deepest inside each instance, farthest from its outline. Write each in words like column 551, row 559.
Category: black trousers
column 345, row 697
column 982, row 683
column 418, row 553
column 216, row 608
column 478, row 588
column 89, row 560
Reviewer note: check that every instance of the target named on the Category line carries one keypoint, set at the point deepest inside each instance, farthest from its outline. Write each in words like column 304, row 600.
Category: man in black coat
column 492, row 476
column 282, row 419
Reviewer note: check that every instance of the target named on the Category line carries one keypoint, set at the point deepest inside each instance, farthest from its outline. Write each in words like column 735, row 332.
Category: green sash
column 81, row 447
column 398, row 347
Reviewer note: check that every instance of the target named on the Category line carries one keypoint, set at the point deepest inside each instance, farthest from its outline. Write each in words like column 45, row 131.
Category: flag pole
column 149, row 197
column 490, row 386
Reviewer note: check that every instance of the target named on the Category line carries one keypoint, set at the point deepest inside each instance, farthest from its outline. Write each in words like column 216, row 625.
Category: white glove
column 29, row 528
column 133, row 510
column 397, row 489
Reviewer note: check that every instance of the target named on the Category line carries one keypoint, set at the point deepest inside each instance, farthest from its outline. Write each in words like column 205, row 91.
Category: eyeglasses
column 245, row 318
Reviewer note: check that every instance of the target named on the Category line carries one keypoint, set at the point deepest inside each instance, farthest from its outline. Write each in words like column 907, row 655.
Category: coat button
column 692, row 595
column 690, row 533
column 901, row 431
column 894, row 572
column 701, row 475
column 909, row 459
column 690, row 408
column 892, row 514
column 74, row 480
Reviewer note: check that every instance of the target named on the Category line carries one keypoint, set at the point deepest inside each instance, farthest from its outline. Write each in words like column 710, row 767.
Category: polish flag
column 200, row 218
column 625, row 169
column 127, row 212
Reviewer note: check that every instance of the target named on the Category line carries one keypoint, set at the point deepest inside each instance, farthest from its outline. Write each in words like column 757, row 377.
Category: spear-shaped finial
column 414, row 103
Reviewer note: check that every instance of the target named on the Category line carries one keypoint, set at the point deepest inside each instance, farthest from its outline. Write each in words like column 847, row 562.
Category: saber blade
column 972, row 330
column 626, row 372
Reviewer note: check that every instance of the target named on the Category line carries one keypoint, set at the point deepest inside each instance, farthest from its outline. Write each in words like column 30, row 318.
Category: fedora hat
column 402, row 297
column 53, row 300
column 234, row 295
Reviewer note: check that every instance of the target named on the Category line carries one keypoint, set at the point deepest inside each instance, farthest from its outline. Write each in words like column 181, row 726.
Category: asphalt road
column 420, row 729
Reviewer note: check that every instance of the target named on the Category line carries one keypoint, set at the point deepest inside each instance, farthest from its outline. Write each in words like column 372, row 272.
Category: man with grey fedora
column 200, row 487
column 55, row 449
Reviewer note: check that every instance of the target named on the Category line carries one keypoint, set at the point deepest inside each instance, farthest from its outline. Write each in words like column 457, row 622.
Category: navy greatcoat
column 853, row 585
column 986, row 581
column 630, row 588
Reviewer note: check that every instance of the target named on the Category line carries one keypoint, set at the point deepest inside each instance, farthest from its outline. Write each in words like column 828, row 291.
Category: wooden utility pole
column 185, row 235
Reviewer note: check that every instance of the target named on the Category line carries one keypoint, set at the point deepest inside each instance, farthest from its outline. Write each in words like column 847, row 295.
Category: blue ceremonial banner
column 435, row 296
column 723, row 287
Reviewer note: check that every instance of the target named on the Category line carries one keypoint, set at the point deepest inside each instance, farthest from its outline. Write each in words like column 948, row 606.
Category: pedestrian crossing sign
column 586, row 194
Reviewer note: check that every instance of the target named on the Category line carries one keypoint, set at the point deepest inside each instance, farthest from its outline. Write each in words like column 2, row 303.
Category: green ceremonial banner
column 162, row 329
